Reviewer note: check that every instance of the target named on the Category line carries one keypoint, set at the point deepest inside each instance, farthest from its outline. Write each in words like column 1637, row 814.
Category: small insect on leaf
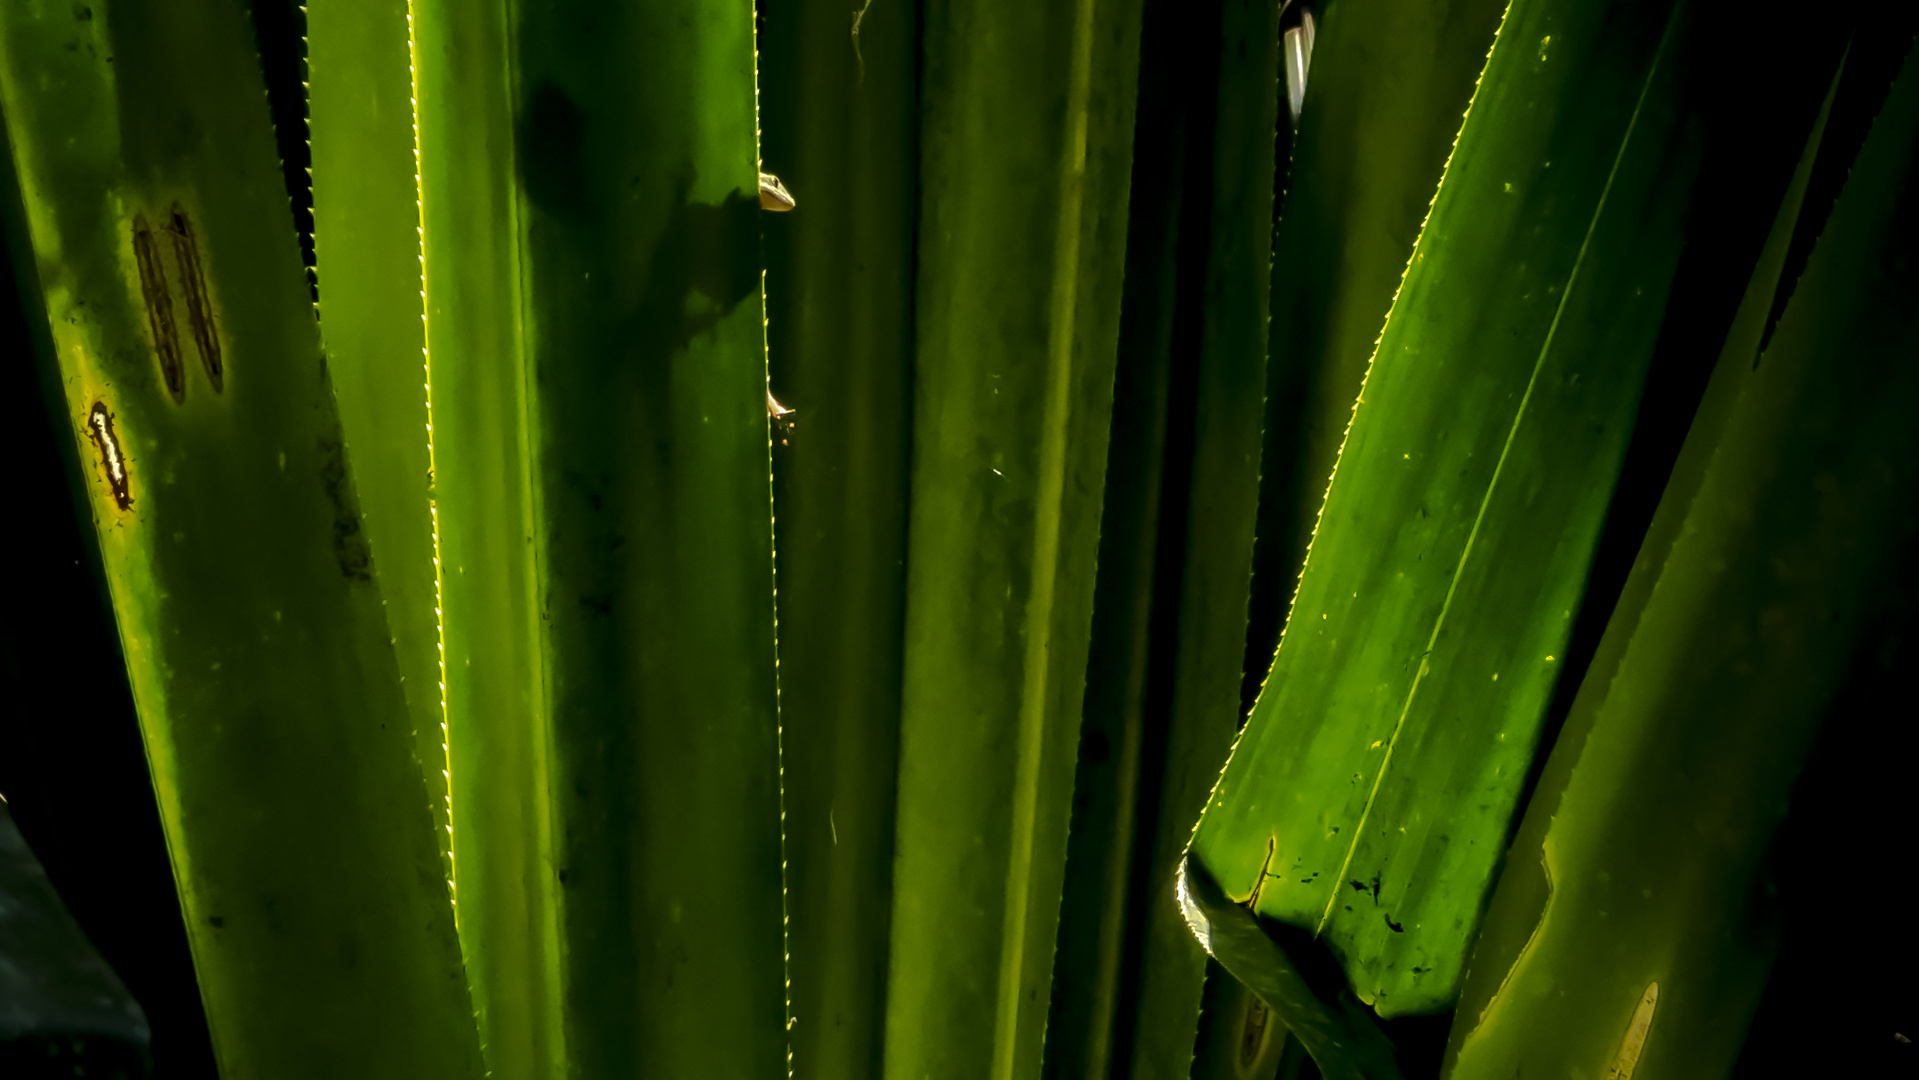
column 113, row 462
column 773, row 194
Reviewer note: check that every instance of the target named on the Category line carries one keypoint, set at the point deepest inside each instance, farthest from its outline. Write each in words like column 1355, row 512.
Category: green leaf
column 594, row 336
column 264, row 675
column 1027, row 117
column 1389, row 81
column 1629, row 935
column 841, row 129
column 1333, row 1026
column 1369, row 796
column 366, row 218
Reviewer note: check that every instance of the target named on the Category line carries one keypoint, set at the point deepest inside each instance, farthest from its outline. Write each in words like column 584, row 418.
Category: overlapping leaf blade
column 367, row 244
column 1367, row 799
column 262, row 667
column 1629, row 934
column 594, row 335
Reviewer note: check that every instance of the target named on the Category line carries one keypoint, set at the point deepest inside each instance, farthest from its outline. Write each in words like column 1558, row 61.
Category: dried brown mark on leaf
column 153, row 289
column 199, row 310
column 113, row 459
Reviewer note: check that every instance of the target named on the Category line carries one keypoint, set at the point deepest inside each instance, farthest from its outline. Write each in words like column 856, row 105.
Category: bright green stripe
column 495, row 710
column 366, row 233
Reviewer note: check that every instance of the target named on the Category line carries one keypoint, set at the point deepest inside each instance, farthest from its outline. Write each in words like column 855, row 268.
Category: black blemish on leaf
column 350, row 548
column 217, row 921
column 1360, row 885
column 113, row 460
column 153, row 290
column 1375, row 888
column 1396, row 928
column 193, row 279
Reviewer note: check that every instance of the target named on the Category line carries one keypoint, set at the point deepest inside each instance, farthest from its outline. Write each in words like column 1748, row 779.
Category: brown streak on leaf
column 199, row 310
column 153, row 289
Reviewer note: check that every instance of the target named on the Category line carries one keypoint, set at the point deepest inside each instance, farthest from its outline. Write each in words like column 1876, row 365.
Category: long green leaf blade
column 1369, row 795
column 268, row 693
column 366, row 221
column 1027, row 119
column 594, row 335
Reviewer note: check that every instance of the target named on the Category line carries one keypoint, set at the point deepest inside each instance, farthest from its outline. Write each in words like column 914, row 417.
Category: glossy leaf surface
column 1369, row 795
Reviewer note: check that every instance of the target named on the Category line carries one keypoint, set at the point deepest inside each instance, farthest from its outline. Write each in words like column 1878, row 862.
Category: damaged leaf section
column 199, row 311
column 153, row 289
column 113, row 460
